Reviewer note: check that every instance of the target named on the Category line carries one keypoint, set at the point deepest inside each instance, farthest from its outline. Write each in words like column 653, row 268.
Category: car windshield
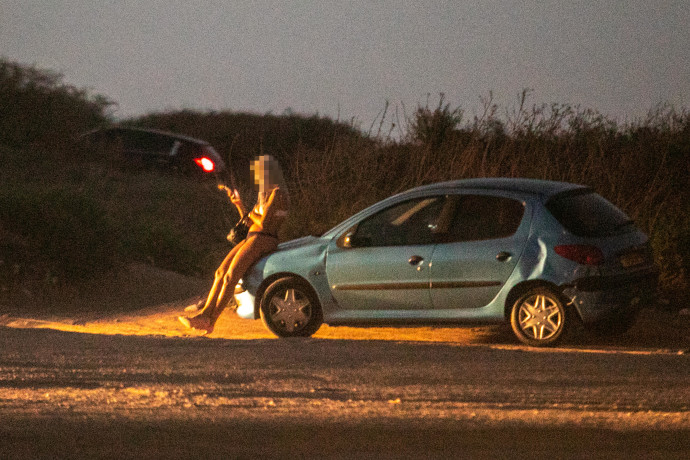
column 585, row 213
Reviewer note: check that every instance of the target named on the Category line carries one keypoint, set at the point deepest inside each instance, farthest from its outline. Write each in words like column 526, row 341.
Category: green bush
column 641, row 167
column 37, row 108
column 95, row 215
column 65, row 233
column 169, row 221
column 160, row 245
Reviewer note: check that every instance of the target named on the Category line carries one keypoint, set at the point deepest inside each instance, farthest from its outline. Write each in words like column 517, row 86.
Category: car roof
column 543, row 188
column 158, row 132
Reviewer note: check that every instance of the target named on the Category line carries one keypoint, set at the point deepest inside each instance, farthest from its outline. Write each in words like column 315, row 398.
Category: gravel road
column 135, row 384
column 123, row 395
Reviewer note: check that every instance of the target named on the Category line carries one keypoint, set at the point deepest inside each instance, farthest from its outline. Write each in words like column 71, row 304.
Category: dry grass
column 642, row 167
column 333, row 171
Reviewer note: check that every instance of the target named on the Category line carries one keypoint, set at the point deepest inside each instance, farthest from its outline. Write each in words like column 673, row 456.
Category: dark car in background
column 152, row 147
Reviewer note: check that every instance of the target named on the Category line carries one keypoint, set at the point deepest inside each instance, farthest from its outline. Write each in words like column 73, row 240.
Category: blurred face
column 266, row 172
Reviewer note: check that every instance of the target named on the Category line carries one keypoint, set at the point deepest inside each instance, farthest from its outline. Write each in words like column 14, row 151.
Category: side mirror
column 347, row 240
column 352, row 241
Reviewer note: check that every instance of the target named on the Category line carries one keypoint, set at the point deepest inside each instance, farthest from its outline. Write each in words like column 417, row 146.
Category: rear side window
column 147, row 143
column 586, row 213
column 484, row 217
column 188, row 150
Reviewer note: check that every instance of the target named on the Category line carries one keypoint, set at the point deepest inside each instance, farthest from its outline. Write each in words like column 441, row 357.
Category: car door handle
column 415, row 260
column 503, row 256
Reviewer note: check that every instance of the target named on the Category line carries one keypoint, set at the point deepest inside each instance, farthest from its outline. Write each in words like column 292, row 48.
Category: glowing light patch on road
column 162, row 322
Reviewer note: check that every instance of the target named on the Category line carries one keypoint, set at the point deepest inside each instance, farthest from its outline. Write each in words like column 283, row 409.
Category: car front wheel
column 538, row 317
column 289, row 308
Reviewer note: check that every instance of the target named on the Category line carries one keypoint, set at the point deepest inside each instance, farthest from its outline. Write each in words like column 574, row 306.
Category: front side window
column 484, row 217
column 412, row 222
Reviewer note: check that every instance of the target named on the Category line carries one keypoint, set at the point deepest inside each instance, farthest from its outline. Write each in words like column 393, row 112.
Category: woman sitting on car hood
column 266, row 219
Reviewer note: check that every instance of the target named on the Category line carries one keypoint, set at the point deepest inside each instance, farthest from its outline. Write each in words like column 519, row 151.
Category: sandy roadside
column 144, row 300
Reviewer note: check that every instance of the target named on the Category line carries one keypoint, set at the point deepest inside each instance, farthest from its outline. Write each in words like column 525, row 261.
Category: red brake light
column 581, row 253
column 205, row 163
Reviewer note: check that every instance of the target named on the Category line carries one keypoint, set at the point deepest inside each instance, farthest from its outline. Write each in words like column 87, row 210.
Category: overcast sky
column 347, row 58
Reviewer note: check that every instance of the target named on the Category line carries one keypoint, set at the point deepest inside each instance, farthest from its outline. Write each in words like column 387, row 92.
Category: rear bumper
column 597, row 297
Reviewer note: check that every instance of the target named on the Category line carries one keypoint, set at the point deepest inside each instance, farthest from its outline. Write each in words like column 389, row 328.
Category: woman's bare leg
column 245, row 257
column 220, row 274
column 203, row 319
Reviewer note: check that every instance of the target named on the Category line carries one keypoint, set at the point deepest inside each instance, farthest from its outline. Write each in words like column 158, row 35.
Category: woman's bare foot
column 199, row 322
column 197, row 307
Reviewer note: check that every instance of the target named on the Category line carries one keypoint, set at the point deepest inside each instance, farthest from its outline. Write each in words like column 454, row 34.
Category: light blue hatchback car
column 539, row 255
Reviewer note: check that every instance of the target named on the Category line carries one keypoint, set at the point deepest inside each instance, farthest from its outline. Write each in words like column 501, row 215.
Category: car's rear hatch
column 627, row 260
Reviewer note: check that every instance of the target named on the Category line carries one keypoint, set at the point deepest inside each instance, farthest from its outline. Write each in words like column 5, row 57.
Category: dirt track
column 146, row 301
column 133, row 383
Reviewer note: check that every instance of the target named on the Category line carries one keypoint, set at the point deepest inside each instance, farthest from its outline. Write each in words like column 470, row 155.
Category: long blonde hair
column 267, row 176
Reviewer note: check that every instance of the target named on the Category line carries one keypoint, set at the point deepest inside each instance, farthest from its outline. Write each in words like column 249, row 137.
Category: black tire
column 538, row 318
column 289, row 308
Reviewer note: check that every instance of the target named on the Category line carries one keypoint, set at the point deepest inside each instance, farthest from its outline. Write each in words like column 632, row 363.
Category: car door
column 381, row 263
column 482, row 247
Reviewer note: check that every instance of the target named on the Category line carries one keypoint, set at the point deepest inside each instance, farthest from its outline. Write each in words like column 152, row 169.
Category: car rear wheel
column 538, row 317
column 289, row 308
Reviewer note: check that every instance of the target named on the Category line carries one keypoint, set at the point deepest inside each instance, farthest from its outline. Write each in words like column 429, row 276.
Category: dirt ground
column 421, row 392
column 143, row 300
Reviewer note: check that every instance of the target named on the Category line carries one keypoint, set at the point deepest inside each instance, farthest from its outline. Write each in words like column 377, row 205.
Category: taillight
column 583, row 254
column 205, row 163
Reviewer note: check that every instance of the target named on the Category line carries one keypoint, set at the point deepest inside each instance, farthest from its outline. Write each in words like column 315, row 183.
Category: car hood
column 298, row 256
column 299, row 243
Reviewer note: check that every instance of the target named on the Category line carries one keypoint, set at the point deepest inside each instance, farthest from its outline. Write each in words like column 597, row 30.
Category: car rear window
column 585, row 213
